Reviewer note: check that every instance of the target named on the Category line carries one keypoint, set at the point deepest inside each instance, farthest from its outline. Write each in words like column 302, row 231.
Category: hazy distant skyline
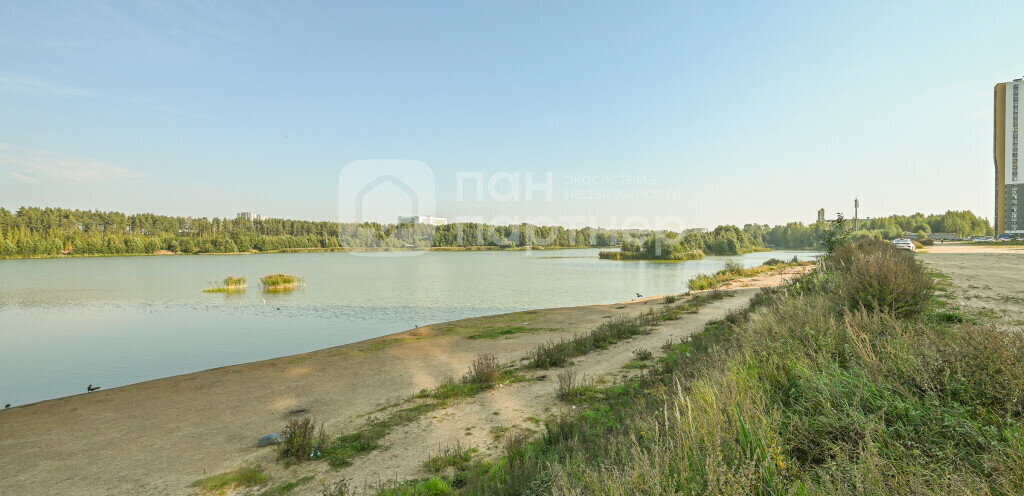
column 729, row 113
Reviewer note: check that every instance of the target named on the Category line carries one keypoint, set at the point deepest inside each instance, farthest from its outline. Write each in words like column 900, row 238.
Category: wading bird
column 91, row 388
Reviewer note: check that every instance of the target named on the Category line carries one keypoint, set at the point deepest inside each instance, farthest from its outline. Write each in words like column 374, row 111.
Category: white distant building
column 420, row 219
column 251, row 216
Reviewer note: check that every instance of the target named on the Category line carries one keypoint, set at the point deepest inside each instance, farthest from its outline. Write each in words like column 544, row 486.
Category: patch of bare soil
column 989, row 281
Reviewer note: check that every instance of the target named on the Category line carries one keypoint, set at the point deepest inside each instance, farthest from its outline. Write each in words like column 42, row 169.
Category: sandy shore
column 157, row 437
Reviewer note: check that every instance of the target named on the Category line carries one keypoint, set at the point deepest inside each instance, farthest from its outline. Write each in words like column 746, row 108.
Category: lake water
column 66, row 323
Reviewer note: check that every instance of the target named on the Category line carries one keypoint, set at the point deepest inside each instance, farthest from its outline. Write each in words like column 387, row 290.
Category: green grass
column 456, row 457
column 433, row 486
column 340, row 451
column 494, row 332
column 559, row 353
column 242, row 477
column 798, row 394
column 286, row 487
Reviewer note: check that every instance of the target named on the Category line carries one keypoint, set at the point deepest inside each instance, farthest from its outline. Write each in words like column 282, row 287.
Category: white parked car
column 904, row 244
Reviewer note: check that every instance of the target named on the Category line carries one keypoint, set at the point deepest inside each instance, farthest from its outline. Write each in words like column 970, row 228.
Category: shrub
column 875, row 275
column 304, row 440
column 455, row 457
column 701, row 282
column 732, row 267
column 484, row 370
column 643, row 354
column 670, row 299
column 773, row 261
column 566, row 383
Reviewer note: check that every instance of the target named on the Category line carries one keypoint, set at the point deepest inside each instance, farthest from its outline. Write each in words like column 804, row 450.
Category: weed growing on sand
column 304, row 440
column 340, row 451
column 242, row 477
column 558, row 353
column 643, row 354
column 484, row 373
column 455, row 456
column 286, row 487
column 484, row 370
column 566, row 382
column 494, row 332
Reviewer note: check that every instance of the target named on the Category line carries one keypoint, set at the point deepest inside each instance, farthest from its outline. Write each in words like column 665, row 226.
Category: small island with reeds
column 230, row 284
column 280, row 282
column 674, row 247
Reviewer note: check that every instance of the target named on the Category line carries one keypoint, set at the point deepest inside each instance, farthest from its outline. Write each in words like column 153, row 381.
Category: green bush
column 304, row 440
column 874, row 274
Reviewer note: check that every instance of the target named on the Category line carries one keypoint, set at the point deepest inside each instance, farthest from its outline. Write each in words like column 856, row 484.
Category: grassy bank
column 850, row 380
column 735, row 270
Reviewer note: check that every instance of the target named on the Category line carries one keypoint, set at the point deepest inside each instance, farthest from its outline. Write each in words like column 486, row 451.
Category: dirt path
column 479, row 421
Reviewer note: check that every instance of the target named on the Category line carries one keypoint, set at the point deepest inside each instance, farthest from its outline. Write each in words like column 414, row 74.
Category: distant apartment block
column 251, row 216
column 1006, row 152
column 420, row 219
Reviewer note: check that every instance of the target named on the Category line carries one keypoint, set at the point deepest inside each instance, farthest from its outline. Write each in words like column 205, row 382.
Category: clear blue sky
column 734, row 112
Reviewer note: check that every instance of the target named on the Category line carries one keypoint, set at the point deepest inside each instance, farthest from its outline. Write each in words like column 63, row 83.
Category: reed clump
column 230, row 284
column 279, row 282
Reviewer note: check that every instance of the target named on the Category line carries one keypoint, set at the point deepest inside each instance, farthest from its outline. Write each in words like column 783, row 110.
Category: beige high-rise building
column 1009, row 187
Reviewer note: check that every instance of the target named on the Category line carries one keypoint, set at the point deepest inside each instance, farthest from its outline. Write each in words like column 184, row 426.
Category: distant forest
column 40, row 232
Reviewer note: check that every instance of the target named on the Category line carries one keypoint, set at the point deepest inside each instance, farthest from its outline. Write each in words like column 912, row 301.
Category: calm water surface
column 66, row 323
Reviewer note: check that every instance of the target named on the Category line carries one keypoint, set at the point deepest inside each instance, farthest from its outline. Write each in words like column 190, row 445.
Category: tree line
column 796, row 235
column 33, row 231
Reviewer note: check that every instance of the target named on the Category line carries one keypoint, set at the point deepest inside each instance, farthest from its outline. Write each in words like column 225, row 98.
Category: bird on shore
column 7, row 406
column 91, row 388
